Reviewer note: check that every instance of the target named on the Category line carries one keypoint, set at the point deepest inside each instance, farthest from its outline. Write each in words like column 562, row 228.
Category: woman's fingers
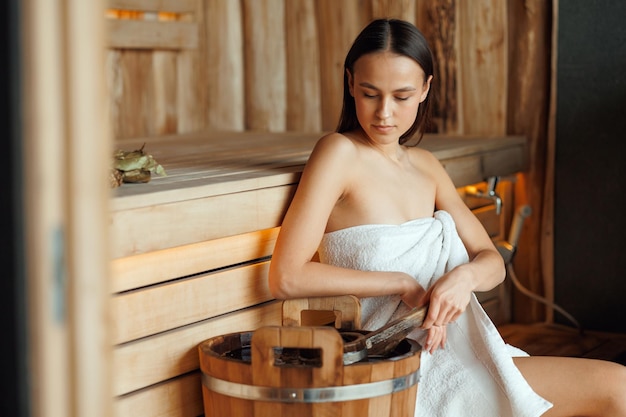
column 451, row 316
column 432, row 316
column 440, row 315
column 437, row 337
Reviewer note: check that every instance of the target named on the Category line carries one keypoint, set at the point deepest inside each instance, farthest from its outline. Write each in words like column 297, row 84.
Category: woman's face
column 387, row 90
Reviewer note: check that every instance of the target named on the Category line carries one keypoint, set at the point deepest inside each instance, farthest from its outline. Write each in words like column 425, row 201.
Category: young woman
column 389, row 227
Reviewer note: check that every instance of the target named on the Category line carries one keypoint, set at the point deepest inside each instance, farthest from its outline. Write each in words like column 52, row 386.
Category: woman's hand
column 447, row 298
column 436, row 338
column 417, row 296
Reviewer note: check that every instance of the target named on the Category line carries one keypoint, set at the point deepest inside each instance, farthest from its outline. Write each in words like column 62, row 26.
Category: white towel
column 475, row 374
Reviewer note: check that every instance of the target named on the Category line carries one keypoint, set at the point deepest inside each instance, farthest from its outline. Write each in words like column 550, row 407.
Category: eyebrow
column 399, row 90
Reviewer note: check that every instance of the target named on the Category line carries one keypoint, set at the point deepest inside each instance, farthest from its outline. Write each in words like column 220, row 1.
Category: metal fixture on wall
column 489, row 193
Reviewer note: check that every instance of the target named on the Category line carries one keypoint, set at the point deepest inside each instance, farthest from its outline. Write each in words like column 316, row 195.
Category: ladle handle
column 385, row 339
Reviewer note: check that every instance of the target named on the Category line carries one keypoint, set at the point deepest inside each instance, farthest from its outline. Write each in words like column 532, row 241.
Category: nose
column 384, row 109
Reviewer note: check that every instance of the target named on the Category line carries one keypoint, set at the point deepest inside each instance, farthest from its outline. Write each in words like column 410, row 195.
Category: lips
column 383, row 128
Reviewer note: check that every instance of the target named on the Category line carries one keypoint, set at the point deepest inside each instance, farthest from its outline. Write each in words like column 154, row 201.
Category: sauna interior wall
column 276, row 65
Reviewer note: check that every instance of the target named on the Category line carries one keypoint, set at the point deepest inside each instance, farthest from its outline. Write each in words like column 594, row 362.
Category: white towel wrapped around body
column 474, row 375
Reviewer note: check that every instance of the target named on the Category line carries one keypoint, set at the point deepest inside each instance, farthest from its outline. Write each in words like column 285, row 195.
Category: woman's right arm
column 326, row 178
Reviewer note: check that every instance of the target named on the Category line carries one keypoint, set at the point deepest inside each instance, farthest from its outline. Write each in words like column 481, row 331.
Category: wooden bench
column 191, row 250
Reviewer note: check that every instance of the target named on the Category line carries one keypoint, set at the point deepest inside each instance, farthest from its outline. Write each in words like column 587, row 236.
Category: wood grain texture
column 396, row 9
column 438, row 20
column 403, row 402
column 86, row 254
column 45, row 204
column 191, row 76
column 135, row 34
column 161, row 97
column 208, row 157
column 382, row 405
column 148, row 229
column 179, row 397
column 165, row 97
column 137, row 94
column 176, row 6
column 157, row 309
column 528, row 114
column 213, row 364
column 266, row 373
column 303, row 67
column 224, row 65
column 158, row 358
column 62, row 133
column 115, row 91
column 483, row 70
column 201, row 216
column 345, row 309
column 338, row 24
column 265, row 65
column 162, row 265
column 559, row 340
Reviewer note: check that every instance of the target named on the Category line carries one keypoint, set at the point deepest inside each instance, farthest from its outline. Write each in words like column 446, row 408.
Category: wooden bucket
column 246, row 374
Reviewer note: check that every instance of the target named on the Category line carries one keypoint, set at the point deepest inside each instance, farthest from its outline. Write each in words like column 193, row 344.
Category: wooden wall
column 276, row 65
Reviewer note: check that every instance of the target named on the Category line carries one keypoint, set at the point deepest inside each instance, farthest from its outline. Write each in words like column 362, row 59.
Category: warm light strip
column 141, row 15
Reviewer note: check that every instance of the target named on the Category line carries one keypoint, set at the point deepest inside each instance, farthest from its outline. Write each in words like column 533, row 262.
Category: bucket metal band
column 310, row 395
column 353, row 357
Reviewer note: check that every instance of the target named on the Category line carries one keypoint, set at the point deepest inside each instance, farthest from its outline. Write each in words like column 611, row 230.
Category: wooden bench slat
column 158, row 358
column 465, row 169
column 153, row 228
column 163, row 265
column 209, row 150
column 198, row 185
column 145, row 312
column 180, row 397
column 502, row 162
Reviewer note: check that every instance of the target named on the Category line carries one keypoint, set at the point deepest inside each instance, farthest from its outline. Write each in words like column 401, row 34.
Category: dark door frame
column 14, row 397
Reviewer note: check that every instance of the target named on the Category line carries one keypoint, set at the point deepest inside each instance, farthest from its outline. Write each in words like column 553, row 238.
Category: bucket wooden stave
column 259, row 387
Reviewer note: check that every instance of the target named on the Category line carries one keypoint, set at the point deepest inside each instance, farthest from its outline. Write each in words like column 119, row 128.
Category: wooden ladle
column 380, row 342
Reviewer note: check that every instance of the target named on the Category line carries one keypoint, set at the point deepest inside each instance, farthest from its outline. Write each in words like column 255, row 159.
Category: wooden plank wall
column 276, row 65
column 169, row 297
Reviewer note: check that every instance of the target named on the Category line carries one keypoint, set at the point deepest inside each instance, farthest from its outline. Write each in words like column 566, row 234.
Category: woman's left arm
column 451, row 294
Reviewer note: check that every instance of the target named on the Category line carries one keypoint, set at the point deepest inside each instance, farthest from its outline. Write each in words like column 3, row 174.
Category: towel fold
column 475, row 374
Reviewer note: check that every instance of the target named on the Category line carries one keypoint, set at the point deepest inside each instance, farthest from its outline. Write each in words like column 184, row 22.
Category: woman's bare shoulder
column 334, row 146
column 336, row 142
column 422, row 157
